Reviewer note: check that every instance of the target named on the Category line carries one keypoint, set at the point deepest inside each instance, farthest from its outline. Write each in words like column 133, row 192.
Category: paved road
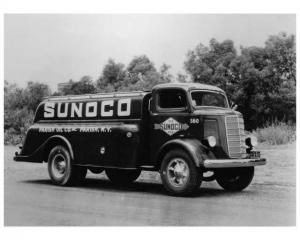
column 31, row 199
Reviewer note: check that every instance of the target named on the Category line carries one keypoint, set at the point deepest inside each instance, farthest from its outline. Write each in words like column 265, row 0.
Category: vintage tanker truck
column 182, row 130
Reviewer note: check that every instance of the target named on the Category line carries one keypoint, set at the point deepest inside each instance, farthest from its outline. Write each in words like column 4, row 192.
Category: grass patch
column 276, row 133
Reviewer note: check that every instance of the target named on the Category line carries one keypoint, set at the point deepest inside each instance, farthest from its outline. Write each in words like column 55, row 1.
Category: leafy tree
column 19, row 107
column 141, row 64
column 142, row 75
column 84, row 86
column 211, row 64
column 264, row 81
column 165, row 74
column 181, row 78
column 34, row 94
column 13, row 96
column 281, row 50
column 30, row 97
column 112, row 77
column 244, row 89
column 261, row 80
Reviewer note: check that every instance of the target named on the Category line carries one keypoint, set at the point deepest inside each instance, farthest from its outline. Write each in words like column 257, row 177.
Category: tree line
column 260, row 80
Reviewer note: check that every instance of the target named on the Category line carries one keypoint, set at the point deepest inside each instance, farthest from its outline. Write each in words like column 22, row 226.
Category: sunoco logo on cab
column 171, row 126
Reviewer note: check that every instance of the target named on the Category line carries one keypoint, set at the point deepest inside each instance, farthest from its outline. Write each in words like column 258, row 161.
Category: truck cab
column 182, row 130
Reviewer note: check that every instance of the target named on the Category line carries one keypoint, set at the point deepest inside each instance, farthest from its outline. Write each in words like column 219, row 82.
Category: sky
column 53, row 48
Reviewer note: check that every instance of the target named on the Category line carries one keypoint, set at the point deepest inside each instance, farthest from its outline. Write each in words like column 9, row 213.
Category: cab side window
column 172, row 99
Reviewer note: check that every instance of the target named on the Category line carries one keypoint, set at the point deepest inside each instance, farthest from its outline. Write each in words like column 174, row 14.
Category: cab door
column 169, row 114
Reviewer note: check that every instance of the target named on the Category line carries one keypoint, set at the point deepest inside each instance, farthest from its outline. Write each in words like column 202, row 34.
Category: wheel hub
column 59, row 165
column 178, row 172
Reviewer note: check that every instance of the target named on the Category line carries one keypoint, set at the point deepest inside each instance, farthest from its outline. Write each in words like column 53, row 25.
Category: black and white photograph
column 182, row 119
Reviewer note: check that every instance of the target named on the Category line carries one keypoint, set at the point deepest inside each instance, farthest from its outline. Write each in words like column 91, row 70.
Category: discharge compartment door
column 116, row 145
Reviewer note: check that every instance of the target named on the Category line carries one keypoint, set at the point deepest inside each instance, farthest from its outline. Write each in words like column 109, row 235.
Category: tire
column 60, row 168
column 179, row 174
column 122, row 176
column 235, row 179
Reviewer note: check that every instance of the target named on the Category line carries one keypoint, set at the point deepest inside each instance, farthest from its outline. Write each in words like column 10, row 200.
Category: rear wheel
column 235, row 179
column 122, row 176
column 60, row 168
column 179, row 173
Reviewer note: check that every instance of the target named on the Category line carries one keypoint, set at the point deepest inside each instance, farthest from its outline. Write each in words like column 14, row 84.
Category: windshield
column 203, row 98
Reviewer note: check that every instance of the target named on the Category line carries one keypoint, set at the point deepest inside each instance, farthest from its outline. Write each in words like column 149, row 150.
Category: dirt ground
column 31, row 200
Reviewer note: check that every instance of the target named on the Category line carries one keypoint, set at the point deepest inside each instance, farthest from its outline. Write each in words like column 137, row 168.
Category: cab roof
column 188, row 86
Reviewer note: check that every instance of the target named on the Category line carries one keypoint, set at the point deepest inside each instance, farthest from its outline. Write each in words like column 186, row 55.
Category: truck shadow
column 135, row 187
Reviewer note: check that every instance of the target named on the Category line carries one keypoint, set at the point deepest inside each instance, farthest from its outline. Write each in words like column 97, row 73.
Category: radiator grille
column 235, row 136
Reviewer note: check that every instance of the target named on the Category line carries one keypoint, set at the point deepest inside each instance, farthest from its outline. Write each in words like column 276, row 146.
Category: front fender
column 192, row 146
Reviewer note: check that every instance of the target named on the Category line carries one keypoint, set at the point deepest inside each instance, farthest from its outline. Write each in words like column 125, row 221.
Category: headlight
column 212, row 141
column 251, row 141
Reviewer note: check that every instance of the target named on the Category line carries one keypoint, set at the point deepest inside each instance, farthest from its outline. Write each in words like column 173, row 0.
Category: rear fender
column 42, row 152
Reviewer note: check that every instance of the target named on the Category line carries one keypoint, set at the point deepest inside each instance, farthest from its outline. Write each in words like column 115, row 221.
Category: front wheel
column 122, row 176
column 60, row 167
column 179, row 173
column 235, row 179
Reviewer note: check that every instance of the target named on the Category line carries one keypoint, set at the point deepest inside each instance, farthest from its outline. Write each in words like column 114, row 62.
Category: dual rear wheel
column 60, row 167
column 63, row 172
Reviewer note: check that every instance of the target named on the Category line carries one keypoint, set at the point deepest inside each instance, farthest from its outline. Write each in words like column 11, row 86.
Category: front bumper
column 232, row 163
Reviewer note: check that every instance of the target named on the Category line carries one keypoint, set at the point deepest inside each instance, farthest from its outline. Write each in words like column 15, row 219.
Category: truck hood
column 216, row 111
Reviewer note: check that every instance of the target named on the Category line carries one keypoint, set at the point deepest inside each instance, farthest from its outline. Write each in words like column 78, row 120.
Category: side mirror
column 233, row 106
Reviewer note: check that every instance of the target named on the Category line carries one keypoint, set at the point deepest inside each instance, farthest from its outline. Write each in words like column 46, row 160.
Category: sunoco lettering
column 91, row 109
column 171, row 126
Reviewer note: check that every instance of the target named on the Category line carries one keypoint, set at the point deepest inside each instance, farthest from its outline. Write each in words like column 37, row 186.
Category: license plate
column 254, row 154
